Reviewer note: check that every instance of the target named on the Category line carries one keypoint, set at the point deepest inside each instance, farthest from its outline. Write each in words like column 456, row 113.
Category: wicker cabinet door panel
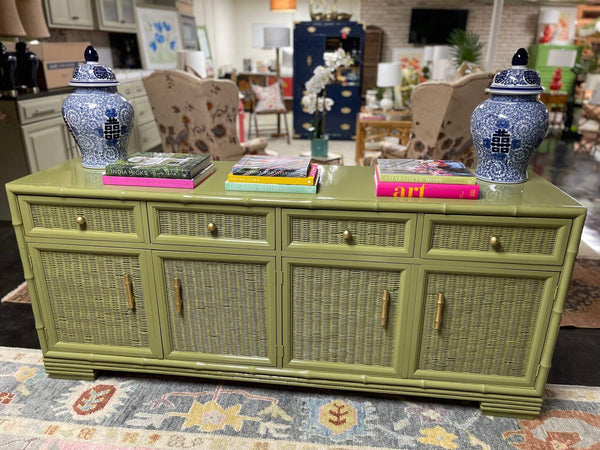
column 490, row 324
column 336, row 319
column 96, row 301
column 217, row 309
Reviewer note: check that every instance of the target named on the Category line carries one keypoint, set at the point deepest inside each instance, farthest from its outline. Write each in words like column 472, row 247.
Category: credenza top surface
column 342, row 187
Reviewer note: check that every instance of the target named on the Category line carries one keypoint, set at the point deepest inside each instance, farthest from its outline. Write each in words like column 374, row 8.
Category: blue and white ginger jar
column 99, row 118
column 508, row 127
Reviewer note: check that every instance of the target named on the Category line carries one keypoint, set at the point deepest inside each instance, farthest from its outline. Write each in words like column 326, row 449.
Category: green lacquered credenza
column 444, row 298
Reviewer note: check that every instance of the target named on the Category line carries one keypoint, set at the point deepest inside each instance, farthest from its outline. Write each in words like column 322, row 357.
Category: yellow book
column 306, row 181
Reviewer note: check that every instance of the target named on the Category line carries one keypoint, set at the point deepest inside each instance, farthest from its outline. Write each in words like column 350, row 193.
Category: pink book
column 424, row 190
column 188, row 183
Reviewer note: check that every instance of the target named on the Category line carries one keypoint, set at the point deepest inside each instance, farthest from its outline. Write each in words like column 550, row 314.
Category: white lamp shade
column 32, row 18
column 389, row 74
column 276, row 37
column 428, row 53
column 548, row 16
column 441, row 52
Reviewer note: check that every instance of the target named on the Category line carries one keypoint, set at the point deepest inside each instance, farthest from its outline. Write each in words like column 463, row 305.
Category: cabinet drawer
column 148, row 136
column 40, row 108
column 208, row 225
column 495, row 239
column 143, row 111
column 349, row 232
column 75, row 218
column 132, row 90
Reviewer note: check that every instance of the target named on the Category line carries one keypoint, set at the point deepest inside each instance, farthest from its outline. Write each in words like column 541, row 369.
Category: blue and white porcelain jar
column 99, row 118
column 509, row 126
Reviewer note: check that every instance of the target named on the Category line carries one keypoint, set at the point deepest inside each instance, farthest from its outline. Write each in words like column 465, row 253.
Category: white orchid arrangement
column 315, row 100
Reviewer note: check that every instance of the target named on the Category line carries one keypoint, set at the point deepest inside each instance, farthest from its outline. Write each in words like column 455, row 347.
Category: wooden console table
column 380, row 129
column 340, row 289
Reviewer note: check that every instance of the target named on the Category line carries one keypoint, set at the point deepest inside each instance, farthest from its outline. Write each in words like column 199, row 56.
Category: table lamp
column 388, row 75
column 276, row 37
column 10, row 26
column 34, row 22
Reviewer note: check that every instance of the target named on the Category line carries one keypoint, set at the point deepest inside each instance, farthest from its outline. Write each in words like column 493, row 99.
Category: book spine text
column 268, row 187
column 426, row 190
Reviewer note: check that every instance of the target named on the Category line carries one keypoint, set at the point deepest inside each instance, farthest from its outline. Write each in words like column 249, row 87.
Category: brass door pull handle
column 438, row 311
column 211, row 227
column 129, row 290
column 347, row 235
column 177, row 289
column 385, row 300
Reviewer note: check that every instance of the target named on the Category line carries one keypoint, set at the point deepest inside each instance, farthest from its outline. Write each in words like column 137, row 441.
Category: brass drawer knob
column 347, row 235
column 211, row 227
column 494, row 241
column 80, row 220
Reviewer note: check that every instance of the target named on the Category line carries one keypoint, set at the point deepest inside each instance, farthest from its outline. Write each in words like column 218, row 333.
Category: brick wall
column 517, row 28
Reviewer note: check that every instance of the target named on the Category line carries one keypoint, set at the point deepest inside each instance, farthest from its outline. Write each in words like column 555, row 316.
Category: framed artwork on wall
column 159, row 36
column 205, row 48
column 188, row 32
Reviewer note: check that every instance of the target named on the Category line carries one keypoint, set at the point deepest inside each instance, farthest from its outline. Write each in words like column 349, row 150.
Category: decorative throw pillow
column 269, row 98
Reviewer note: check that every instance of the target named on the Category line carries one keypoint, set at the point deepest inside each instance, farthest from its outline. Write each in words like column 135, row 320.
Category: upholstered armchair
column 196, row 115
column 441, row 120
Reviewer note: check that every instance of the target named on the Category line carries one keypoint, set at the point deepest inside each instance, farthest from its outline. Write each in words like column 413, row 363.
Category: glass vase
column 319, row 147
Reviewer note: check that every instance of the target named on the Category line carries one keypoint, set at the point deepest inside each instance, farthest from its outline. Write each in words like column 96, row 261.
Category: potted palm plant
column 465, row 49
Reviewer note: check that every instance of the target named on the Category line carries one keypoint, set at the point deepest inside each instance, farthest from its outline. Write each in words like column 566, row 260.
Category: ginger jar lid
column 519, row 79
column 93, row 74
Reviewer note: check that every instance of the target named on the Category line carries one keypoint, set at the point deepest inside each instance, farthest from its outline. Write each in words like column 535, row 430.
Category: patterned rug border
column 20, row 294
column 38, row 412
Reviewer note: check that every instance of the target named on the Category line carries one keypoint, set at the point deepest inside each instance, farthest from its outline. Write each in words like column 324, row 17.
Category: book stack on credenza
column 294, row 174
column 419, row 178
column 152, row 169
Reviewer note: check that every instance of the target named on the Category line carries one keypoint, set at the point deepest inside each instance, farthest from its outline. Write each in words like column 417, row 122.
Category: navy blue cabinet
column 311, row 40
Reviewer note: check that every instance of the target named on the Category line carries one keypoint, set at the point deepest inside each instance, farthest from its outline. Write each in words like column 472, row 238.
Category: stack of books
column 293, row 174
column 172, row 170
column 419, row 178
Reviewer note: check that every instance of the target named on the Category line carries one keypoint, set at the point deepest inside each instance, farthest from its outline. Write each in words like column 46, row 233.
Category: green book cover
column 424, row 171
column 159, row 165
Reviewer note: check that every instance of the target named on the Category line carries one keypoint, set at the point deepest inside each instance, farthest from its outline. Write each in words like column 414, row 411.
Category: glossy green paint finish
column 220, row 321
column 342, row 187
column 493, row 323
column 166, row 229
column 187, row 224
column 521, row 240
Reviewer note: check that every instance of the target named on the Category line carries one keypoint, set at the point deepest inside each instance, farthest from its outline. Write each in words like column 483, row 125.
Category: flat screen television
column 433, row 26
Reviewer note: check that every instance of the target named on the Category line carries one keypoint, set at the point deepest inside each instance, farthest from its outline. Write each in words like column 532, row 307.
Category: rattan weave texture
column 336, row 315
column 514, row 239
column 89, row 301
column 230, row 226
column 364, row 232
column 488, row 323
column 224, row 307
column 110, row 220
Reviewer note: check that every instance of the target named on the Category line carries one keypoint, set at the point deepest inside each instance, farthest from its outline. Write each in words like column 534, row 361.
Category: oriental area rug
column 143, row 412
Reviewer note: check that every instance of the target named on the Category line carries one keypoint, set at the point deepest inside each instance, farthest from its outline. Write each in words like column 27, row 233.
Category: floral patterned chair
column 196, row 115
column 441, row 120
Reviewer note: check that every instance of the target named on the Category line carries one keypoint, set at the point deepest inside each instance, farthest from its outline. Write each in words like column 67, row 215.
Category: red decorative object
column 547, row 35
column 556, row 82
